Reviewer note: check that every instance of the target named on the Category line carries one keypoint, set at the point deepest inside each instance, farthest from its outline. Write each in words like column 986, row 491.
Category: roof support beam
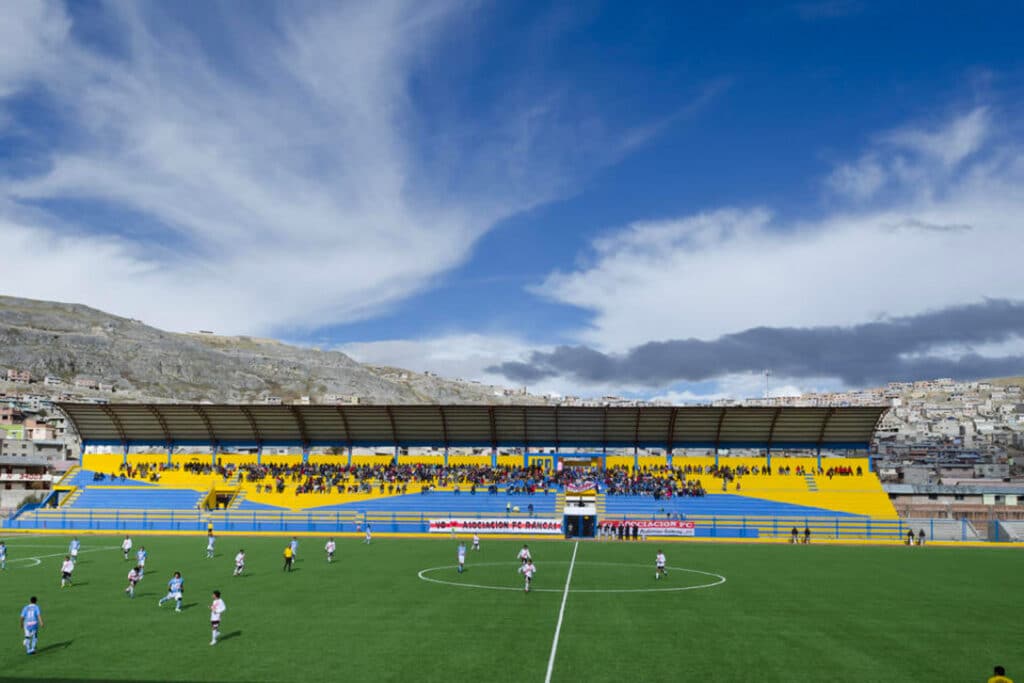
column 444, row 427
column 557, row 440
column 252, row 425
column 344, row 421
column 301, row 425
column 494, row 426
column 604, row 430
column 671, row 436
column 121, row 433
column 394, row 430
column 824, row 426
column 771, row 430
column 636, row 430
column 526, row 429
column 718, row 430
column 163, row 423
column 201, row 412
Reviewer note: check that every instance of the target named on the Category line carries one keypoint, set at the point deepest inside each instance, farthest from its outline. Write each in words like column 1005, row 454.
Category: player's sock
column 28, row 645
column 177, row 605
column 35, row 639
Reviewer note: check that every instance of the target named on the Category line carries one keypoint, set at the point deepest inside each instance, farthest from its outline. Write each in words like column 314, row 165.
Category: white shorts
column 74, row 553
column 462, row 559
column 176, row 595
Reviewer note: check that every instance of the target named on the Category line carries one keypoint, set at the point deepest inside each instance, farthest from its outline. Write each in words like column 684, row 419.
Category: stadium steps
column 560, row 502
column 70, row 500
column 68, row 476
column 812, row 485
column 600, row 504
column 237, row 499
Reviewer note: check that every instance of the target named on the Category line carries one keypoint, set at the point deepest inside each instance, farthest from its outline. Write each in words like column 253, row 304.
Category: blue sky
column 583, row 198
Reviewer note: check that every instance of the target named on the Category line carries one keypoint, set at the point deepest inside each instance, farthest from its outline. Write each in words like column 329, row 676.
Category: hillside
column 143, row 363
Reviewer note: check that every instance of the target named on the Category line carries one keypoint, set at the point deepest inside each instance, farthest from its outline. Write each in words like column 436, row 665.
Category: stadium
column 781, row 548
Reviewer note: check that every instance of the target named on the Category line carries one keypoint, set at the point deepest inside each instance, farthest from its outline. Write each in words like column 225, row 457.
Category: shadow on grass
column 233, row 634
column 54, row 646
column 188, row 606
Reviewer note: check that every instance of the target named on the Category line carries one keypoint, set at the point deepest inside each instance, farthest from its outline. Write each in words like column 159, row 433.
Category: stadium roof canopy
column 133, row 424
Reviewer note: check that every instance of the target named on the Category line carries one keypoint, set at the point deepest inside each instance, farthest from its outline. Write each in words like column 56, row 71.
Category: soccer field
column 748, row 612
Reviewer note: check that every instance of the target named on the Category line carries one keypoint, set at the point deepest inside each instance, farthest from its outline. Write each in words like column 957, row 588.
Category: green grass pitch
column 784, row 613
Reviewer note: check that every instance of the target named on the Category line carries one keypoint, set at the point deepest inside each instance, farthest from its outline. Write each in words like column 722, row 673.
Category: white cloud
column 290, row 181
column 728, row 270
column 30, row 33
column 951, row 143
column 860, row 180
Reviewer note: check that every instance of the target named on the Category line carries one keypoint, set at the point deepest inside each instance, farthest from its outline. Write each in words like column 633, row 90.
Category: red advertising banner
column 497, row 526
column 655, row 527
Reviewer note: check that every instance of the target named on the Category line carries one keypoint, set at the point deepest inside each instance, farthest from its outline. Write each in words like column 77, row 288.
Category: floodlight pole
column 350, row 455
column 396, row 455
column 124, row 460
column 636, row 458
column 446, row 456
column 170, row 454
column 819, row 457
column 494, row 457
column 305, row 453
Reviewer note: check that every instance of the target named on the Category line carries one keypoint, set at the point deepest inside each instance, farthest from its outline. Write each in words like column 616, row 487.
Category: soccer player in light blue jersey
column 3, row 555
column 295, row 548
column 462, row 557
column 140, row 561
column 31, row 622
column 210, row 540
column 73, row 549
column 175, row 590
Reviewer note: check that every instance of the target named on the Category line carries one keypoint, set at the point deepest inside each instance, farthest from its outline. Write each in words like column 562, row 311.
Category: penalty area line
column 561, row 614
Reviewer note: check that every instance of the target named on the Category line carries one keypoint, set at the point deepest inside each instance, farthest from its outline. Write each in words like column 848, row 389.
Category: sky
column 656, row 200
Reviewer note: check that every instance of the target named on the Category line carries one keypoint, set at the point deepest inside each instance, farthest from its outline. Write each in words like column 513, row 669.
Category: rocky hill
column 143, row 363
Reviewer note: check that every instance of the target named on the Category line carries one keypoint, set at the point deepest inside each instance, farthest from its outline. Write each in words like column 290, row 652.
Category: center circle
column 718, row 579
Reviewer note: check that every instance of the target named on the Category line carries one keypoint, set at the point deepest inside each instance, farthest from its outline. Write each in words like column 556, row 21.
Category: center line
column 561, row 613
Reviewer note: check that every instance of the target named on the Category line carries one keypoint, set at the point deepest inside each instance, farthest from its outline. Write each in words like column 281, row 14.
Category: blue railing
column 337, row 521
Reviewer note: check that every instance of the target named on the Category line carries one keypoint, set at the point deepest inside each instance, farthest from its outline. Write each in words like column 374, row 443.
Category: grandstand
column 557, row 449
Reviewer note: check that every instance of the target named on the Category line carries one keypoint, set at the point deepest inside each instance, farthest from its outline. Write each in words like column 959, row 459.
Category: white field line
column 561, row 614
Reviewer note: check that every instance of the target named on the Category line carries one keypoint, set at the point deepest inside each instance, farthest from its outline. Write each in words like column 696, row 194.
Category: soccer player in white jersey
column 31, row 622
column 217, row 608
column 133, row 578
column 239, row 563
column 330, row 547
column 140, row 561
column 462, row 557
column 126, row 546
column 659, row 565
column 210, row 540
column 369, row 534
column 295, row 548
column 476, row 541
column 175, row 591
column 3, row 555
column 65, row 571
column 73, row 549
column 528, row 569
column 524, row 555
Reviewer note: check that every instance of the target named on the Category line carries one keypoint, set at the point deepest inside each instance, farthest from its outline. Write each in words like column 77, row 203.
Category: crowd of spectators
column 303, row 477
